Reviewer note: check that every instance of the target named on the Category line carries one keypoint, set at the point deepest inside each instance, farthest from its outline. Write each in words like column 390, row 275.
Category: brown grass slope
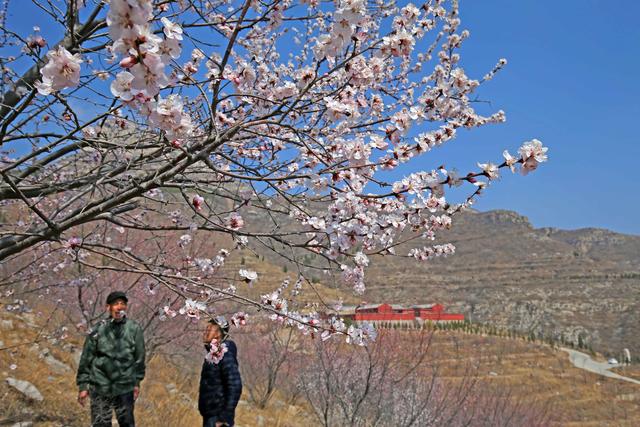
column 529, row 373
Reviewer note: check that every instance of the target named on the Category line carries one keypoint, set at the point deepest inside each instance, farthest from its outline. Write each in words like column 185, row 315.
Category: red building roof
column 395, row 312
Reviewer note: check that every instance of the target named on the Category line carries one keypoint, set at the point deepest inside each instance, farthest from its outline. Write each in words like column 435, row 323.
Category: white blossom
column 509, row 160
column 248, row 276
column 193, row 308
column 62, row 70
column 121, row 86
column 490, row 170
column 171, row 30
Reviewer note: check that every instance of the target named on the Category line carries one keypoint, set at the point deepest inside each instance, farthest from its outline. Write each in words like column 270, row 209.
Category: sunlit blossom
column 248, row 276
column 171, row 30
column 61, row 71
column 193, row 308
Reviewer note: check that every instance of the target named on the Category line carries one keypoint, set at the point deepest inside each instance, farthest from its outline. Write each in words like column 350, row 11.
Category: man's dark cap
column 116, row 295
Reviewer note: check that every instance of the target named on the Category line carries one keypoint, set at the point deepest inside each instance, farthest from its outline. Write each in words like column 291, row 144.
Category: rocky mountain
column 545, row 281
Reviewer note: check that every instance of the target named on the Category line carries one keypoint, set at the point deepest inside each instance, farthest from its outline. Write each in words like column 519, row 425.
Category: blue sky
column 571, row 81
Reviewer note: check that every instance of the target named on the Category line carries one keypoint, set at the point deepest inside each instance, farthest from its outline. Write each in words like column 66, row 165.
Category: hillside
column 548, row 281
column 505, row 272
column 526, row 374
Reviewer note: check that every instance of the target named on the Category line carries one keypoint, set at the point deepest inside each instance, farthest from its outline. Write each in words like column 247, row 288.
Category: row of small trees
column 466, row 326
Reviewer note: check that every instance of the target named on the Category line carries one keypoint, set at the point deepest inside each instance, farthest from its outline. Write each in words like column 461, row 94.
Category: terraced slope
column 547, row 281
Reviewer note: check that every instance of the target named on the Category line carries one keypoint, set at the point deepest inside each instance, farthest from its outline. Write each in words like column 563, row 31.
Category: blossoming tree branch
column 165, row 117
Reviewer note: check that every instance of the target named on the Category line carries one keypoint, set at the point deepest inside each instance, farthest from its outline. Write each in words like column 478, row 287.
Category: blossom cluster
column 428, row 252
column 145, row 58
column 310, row 323
column 62, row 70
column 209, row 266
column 192, row 309
column 318, row 136
column 239, row 318
column 216, row 352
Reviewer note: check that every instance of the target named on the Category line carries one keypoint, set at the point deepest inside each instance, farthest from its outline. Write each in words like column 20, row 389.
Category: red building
column 399, row 314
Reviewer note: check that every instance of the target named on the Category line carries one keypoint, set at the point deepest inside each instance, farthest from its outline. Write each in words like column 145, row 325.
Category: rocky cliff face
column 544, row 281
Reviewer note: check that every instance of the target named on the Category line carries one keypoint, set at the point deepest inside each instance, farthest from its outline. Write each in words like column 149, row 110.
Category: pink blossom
column 197, row 202
column 189, row 68
column 61, row 71
column 339, row 110
column 36, row 41
column 197, row 55
column 410, row 13
column 275, row 301
column 352, row 12
column 239, row 318
column 73, row 243
column 234, row 221
column 149, row 76
column 361, row 259
column 532, row 153
column 129, row 61
column 124, row 15
column 354, row 276
column 533, row 149
column 361, row 335
column 529, row 165
column 167, row 114
column 216, row 352
column 428, row 252
column 169, row 48
column 89, row 132
column 169, row 312
column 305, row 76
column 316, row 223
column 399, row 44
column 193, row 308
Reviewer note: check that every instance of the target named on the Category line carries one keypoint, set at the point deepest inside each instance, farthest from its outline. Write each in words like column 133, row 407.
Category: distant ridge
column 543, row 280
column 546, row 281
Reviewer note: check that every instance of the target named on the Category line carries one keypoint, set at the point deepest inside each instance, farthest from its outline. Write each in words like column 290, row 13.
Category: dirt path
column 584, row 361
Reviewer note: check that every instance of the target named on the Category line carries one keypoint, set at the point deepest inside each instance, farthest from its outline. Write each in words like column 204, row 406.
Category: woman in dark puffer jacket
column 220, row 382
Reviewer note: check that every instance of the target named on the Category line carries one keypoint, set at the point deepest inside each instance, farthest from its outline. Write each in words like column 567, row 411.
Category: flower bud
column 129, row 62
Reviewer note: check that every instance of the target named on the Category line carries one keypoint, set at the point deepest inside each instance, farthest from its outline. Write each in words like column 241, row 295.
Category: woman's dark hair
column 222, row 323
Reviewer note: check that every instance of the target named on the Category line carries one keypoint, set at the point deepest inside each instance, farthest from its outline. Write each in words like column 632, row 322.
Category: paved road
column 584, row 361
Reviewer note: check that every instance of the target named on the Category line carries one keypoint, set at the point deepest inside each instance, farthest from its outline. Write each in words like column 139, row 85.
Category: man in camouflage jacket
column 112, row 365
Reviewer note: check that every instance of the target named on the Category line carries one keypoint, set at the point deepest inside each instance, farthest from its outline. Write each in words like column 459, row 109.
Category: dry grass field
column 535, row 373
column 526, row 373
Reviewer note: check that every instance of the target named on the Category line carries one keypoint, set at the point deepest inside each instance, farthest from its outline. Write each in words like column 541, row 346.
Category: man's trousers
column 102, row 408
